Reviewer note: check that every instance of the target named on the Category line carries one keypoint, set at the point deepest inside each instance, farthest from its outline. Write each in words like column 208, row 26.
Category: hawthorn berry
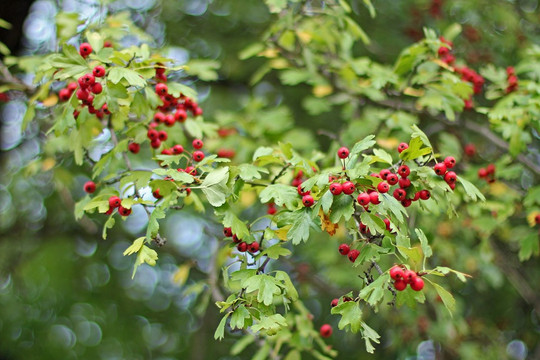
column 155, row 143
column 85, row 49
column 396, row 272
column 114, row 201
column 344, row 249
column 235, row 239
column 353, row 254
column 326, row 330
column 97, row 88
column 348, row 187
column 242, row 247
column 404, row 183
column 450, row 177
column 197, row 111
column 400, row 285
column 271, row 209
column 406, row 202
column 197, row 143
column 336, row 188
column 64, row 94
column 384, row 173
column 343, row 152
column 253, row 247
column 161, row 89
column 363, row 228
column 72, row 86
column 450, row 162
column 402, row 147
column 110, row 211
column 134, row 147
column 226, row 153
column 191, row 170
column 392, row 179
column 86, row 80
column 490, row 169
column 152, row 134
column 82, row 94
column 470, row 149
column 387, row 223
column 156, row 194
column 334, row 302
column 124, row 211
column 440, row 169
column 363, row 199
column 383, row 187
column 307, row 200
column 409, row 276
column 98, row 71
column 169, row 120
column 166, row 152
column 404, row 171
column 374, row 198
column 416, row 196
column 180, row 115
column 227, row 232
column 162, row 135
column 417, row 284
column 376, row 175
column 159, row 117
column 177, row 149
column 537, row 219
column 301, row 191
column 400, row 194
column 424, row 194
column 89, row 187
column 198, row 155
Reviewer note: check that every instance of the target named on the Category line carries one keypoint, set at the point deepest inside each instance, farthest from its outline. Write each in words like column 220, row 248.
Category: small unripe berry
column 396, row 272
column 450, row 177
column 424, row 194
column 450, row 162
column 404, row 171
column 417, row 284
column 363, row 199
column 326, row 330
column 334, row 302
column 242, row 247
column 353, row 254
column 85, row 49
column 89, row 187
column 402, row 147
column 400, row 285
column 227, row 232
column 348, row 187
column 343, row 152
column 336, row 188
column 99, row 71
column 374, row 198
column 440, row 169
column 123, row 211
column 400, row 194
column 197, row 143
column 344, row 249
column 114, row 201
column 253, row 247
column 392, row 179
column 307, row 200
column 198, row 155
column 383, row 187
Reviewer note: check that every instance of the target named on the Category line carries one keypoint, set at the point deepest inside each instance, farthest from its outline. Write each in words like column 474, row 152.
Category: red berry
column 123, row 211
column 161, row 89
column 226, row 153
column 177, row 149
column 404, row 183
column 406, row 202
column 114, row 201
column 271, row 209
column 86, row 80
column 424, row 194
column 343, row 152
column 107, row 44
column 197, row 111
column 392, row 179
column 334, row 302
column 400, row 285
column 162, row 135
column 235, row 239
column 470, row 149
column 396, row 272
column 82, row 94
column 134, row 147
column 409, row 276
column 363, row 199
column 348, row 187
column 152, row 134
column 191, row 170
column 110, row 211
column 155, row 143
column 384, row 173
column 326, row 330
column 159, row 117
column 353, row 254
column 404, row 171
column 416, row 196
column 537, row 219
column 400, row 194
column 166, row 152
column 440, row 169
column 336, row 188
column 253, row 247
column 402, row 147
column 374, row 198
column 169, row 120
column 344, row 249
column 387, row 223
column 85, row 49
column 197, row 143
column 227, row 232
column 97, row 88
column 99, row 71
column 89, row 187
column 180, row 115
column 490, row 169
column 510, row 71
column 482, row 173
column 242, row 247
column 64, row 94
column 383, row 187
column 307, row 200
column 198, row 155
column 450, row 162
column 301, row 191
column 376, row 175
column 450, row 177
column 417, row 284
column 72, row 86
column 156, row 194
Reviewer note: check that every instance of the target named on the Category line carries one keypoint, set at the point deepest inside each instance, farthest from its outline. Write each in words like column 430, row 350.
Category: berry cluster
column 487, row 173
column 114, row 201
column 241, row 246
column 307, row 199
column 449, row 176
column 345, row 250
column 511, row 79
column 402, row 276
column 445, row 53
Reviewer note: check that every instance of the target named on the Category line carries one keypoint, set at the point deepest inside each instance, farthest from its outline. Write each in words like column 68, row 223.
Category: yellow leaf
column 279, row 63
column 322, row 90
column 388, row 143
column 248, row 198
column 181, row 275
column 498, row 188
column 48, row 164
column 414, row 92
column 281, row 234
column 135, row 247
column 442, row 64
column 530, row 218
column 304, row 36
column 51, row 100
column 269, row 53
column 326, row 224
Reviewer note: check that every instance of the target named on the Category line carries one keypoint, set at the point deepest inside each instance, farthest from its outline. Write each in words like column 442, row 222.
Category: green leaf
column 239, row 316
column 265, row 286
column 326, row 201
column 135, row 247
column 153, row 224
column 238, row 227
column 426, row 249
column 447, row 298
column 342, row 207
column 471, row 190
column 369, row 335
column 374, row 223
column 301, row 222
column 374, row 292
column 443, row 270
column 270, row 323
column 289, row 286
column 275, row 251
column 415, row 150
column 108, row 225
column 362, row 145
column 381, row 156
column 220, row 331
column 133, row 78
column 205, row 70
column 351, row 315
column 214, row 186
column 249, row 172
column 529, row 246
column 280, row 194
column 276, row 6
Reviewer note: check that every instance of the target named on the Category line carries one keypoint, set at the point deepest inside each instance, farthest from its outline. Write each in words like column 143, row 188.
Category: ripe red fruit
column 226, row 153
column 197, row 143
column 470, row 149
column 348, row 187
column 86, row 80
column 301, row 191
column 404, row 171
column 450, row 162
column 162, row 135
column 89, row 187
column 336, row 188
column 400, row 285
column 235, row 239
column 242, row 247
column 85, row 49
column 161, row 89
column 363, row 228
column 404, row 183
column 353, row 254
column 384, row 173
column 537, row 219
column 363, row 199
column 152, row 134
column 344, row 249
column 334, row 302
column 440, row 169
column 409, row 276
column 417, row 284
column 227, row 232
column 424, row 194
column 166, row 152
column 396, row 272
column 156, row 194
column 416, row 196
column 197, row 111
column 155, row 143
column 387, row 223
column 180, row 115
column 450, row 177
column 191, row 170
column 72, row 86
column 99, row 71
column 383, row 187
column 392, row 179
column 159, row 117
column 82, row 94
column 482, row 173
column 123, row 211
column 107, row 44
column 64, row 94
column 406, row 202
column 343, row 153
column 198, row 155
column 169, row 120
column 326, row 330
column 453, row 185
column 402, row 147
column 177, row 149
column 97, row 88
column 375, row 175
column 490, row 169
column 271, row 209
column 110, row 211
column 114, row 201
column 400, row 194
column 307, row 200
column 374, row 198
column 253, row 247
